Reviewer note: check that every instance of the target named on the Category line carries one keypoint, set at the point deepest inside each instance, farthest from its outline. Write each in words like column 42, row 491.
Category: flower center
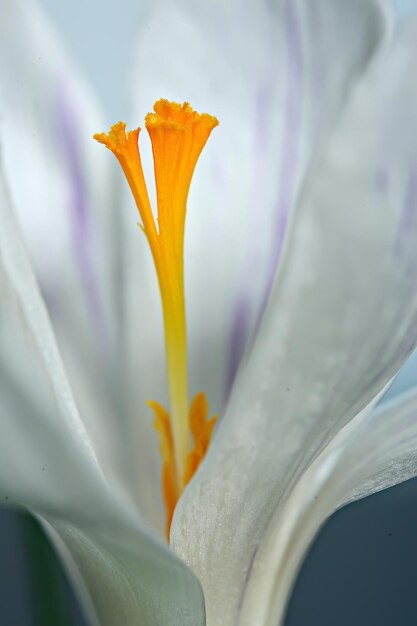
column 178, row 134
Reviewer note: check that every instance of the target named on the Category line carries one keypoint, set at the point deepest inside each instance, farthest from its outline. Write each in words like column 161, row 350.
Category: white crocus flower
column 292, row 340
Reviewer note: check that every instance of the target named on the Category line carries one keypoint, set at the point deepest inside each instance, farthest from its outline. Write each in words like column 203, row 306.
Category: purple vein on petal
column 238, row 338
column 288, row 175
column 290, row 145
column 78, row 209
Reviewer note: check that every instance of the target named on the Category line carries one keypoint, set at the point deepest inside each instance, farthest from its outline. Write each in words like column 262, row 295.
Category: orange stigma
column 178, row 135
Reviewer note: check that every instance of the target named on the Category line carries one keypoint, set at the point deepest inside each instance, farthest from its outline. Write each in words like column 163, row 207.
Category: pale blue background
column 362, row 569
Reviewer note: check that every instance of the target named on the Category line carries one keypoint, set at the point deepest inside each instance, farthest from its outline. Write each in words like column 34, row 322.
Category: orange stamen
column 201, row 428
column 166, row 445
column 178, row 135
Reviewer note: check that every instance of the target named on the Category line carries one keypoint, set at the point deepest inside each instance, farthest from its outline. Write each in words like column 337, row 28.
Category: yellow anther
column 201, row 429
column 178, row 135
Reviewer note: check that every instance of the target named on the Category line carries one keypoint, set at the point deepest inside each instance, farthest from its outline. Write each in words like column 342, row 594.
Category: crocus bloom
column 300, row 260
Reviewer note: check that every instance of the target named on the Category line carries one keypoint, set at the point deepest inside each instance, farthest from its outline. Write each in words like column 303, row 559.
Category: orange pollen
column 178, row 135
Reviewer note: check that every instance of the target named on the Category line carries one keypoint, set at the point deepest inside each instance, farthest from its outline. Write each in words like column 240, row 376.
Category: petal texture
column 49, row 465
column 375, row 451
column 129, row 578
column 44, row 442
column 59, row 182
column 341, row 320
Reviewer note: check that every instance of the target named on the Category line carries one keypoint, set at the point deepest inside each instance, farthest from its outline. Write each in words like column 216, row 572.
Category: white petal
column 267, row 71
column 48, row 464
column 341, row 320
column 42, row 433
column 48, row 116
column 130, row 579
column 373, row 452
column 389, row 439
column 60, row 181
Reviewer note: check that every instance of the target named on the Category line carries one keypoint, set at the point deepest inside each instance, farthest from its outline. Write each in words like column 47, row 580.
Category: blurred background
column 362, row 568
